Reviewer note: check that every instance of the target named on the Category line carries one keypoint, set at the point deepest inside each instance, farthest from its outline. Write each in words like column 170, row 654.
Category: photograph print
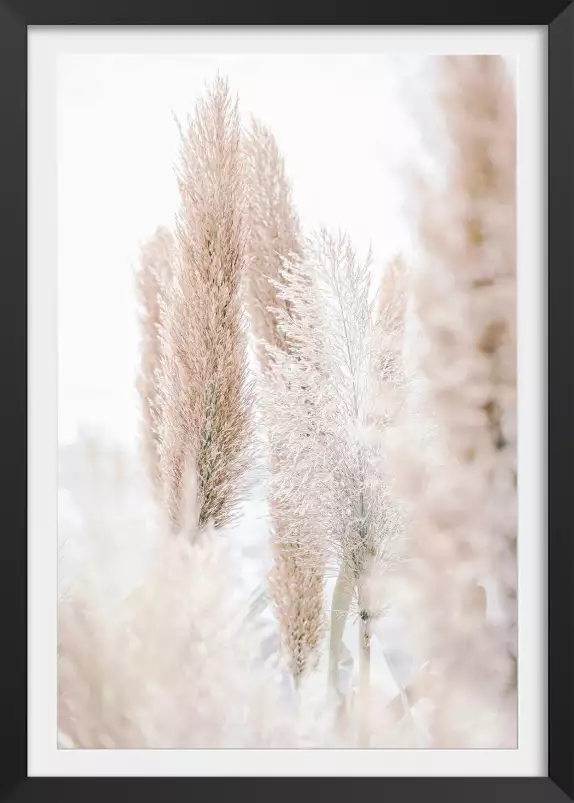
column 287, row 494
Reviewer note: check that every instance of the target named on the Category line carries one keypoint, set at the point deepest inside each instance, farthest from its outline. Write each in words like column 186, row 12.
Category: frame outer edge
column 13, row 358
column 561, row 399
column 561, row 216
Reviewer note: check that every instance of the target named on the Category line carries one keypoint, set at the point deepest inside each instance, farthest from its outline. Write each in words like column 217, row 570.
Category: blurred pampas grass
column 174, row 659
column 459, row 590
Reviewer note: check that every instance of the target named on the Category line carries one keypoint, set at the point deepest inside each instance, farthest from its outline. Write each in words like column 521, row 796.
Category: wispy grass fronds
column 295, row 588
column 206, row 398
column 392, row 308
column 152, row 279
column 331, row 469
column 274, row 234
column 170, row 660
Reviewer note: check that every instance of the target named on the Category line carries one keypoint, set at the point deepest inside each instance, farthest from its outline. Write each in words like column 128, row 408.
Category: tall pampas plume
column 274, row 233
column 205, row 401
column 390, row 326
column 392, row 305
column 331, row 473
column 296, row 588
column 156, row 262
column 460, row 591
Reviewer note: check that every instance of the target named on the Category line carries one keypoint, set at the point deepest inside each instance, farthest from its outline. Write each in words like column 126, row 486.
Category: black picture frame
column 15, row 17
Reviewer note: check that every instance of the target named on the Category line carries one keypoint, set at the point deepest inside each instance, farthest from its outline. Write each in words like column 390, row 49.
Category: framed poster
column 287, row 371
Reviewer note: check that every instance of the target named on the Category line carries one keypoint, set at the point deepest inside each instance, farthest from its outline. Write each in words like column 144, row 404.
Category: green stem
column 364, row 677
column 364, row 655
column 342, row 595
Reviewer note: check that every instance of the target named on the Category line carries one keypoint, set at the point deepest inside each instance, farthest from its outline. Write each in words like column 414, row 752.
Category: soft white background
column 334, row 103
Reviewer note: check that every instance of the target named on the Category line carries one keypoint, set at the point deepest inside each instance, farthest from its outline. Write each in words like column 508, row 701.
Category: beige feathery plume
column 393, row 301
column 206, row 399
column 295, row 587
column 167, row 654
column 296, row 590
column 274, row 233
column 389, row 364
column 464, row 534
column 156, row 266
